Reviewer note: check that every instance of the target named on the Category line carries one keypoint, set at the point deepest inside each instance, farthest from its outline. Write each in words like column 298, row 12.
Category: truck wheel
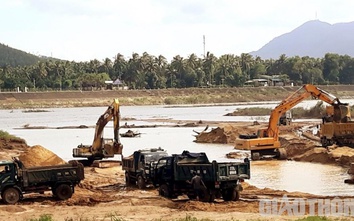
column 255, row 156
column 63, row 192
column 235, row 195
column 164, row 191
column 141, row 182
column 11, row 195
column 227, row 195
column 128, row 180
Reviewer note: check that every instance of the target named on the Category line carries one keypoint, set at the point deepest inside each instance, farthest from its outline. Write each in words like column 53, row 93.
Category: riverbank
column 157, row 97
column 103, row 195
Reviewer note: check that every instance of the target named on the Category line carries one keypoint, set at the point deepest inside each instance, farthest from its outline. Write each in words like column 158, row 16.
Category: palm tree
column 133, row 73
column 209, row 65
column 246, row 63
column 161, row 64
column 178, row 68
column 150, row 70
column 119, row 67
column 106, row 66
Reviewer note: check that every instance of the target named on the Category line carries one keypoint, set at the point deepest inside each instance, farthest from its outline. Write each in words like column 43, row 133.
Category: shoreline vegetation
column 171, row 97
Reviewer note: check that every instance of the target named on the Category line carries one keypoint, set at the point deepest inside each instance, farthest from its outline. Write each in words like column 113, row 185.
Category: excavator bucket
column 118, row 148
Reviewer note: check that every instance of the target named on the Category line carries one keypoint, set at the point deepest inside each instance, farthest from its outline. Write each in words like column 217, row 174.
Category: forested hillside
column 314, row 39
column 13, row 57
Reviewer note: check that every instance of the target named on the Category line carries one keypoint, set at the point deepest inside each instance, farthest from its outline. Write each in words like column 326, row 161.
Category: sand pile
column 295, row 147
column 216, row 135
column 40, row 156
column 225, row 134
column 343, row 155
column 316, row 155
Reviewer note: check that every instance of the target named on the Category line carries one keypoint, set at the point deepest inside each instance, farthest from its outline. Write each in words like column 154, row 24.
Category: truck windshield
column 154, row 157
column 161, row 163
column 4, row 168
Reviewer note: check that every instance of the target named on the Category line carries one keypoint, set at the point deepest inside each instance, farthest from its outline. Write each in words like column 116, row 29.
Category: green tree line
column 150, row 72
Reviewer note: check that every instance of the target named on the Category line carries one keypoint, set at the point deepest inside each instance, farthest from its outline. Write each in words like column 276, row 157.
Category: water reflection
column 301, row 176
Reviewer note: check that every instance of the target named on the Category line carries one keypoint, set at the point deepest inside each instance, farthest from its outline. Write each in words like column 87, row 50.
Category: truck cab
column 8, row 173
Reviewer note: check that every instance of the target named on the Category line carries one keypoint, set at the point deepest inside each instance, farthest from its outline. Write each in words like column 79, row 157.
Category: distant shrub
column 43, row 217
column 170, row 100
column 316, row 218
column 6, row 136
column 315, row 112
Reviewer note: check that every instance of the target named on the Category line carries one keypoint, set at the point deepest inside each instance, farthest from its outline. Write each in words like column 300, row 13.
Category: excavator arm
column 266, row 141
column 293, row 100
column 103, row 148
column 111, row 112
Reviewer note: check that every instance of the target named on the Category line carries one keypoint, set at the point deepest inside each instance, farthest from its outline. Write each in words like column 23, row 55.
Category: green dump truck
column 222, row 180
column 17, row 180
column 138, row 166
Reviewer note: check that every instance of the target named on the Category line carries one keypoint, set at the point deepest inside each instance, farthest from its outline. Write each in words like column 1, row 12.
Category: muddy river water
column 282, row 175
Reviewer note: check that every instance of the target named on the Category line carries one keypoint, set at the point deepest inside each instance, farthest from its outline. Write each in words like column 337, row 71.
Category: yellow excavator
column 266, row 141
column 102, row 147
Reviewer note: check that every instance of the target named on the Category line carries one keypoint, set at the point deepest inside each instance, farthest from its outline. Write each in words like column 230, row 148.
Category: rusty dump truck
column 337, row 126
column 17, row 180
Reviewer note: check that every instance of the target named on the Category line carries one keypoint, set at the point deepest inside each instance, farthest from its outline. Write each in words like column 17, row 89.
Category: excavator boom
column 266, row 142
column 292, row 101
column 101, row 147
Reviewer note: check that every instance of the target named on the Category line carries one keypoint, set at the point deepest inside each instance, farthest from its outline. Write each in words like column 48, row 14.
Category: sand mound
column 343, row 155
column 225, row 134
column 295, row 147
column 40, row 156
column 317, row 155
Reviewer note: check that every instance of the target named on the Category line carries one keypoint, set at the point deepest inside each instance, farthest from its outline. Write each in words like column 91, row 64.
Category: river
column 283, row 175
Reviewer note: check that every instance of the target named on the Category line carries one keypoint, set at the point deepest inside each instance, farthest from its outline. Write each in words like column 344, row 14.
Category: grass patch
column 34, row 111
column 317, row 218
column 43, row 217
column 251, row 111
column 188, row 218
column 315, row 112
column 170, row 100
column 6, row 136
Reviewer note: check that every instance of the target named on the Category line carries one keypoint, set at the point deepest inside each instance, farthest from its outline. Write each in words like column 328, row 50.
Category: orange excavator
column 102, row 147
column 266, row 141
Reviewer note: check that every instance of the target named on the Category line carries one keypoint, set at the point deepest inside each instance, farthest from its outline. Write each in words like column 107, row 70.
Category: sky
column 83, row 30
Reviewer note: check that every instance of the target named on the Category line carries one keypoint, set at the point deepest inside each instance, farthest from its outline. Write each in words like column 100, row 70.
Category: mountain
column 314, row 39
column 13, row 57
